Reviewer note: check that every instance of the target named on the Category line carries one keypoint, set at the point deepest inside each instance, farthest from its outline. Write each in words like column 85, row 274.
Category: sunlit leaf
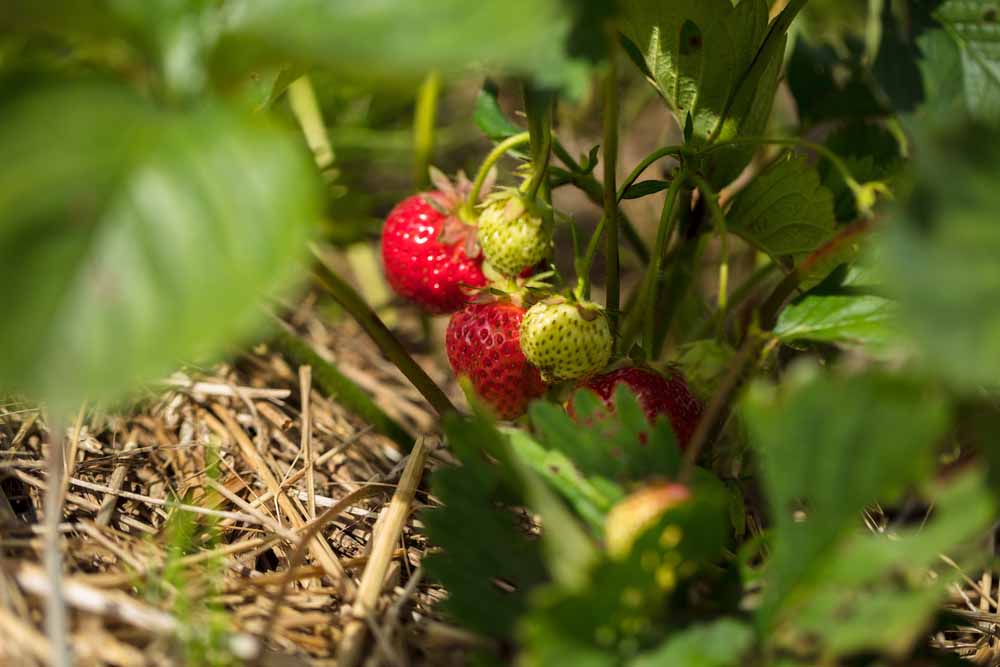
column 135, row 239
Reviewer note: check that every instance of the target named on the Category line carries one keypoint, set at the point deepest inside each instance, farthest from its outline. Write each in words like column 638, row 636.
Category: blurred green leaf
column 722, row 643
column 871, row 153
column 398, row 41
column 619, row 447
column 972, row 24
column 591, row 498
column 489, row 117
column 940, row 254
column 829, row 85
column 482, row 539
column 784, row 211
column 827, row 451
column 626, row 605
column 874, row 593
column 135, row 239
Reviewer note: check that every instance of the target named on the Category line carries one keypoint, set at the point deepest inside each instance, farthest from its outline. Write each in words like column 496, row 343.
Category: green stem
column 659, row 153
column 738, row 296
column 584, row 265
column 383, row 337
column 469, row 207
column 610, row 149
column 591, row 187
column 424, row 121
column 538, row 106
column 682, row 271
column 712, row 200
column 645, row 306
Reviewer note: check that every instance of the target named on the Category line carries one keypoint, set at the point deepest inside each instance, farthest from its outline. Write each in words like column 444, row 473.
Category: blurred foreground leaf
column 397, row 41
column 941, row 251
column 134, row 239
column 831, row 446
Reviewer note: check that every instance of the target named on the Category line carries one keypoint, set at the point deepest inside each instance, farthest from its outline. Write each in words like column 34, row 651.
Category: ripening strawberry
column 566, row 340
column 512, row 238
column 657, row 395
column 630, row 517
column 430, row 255
column 483, row 343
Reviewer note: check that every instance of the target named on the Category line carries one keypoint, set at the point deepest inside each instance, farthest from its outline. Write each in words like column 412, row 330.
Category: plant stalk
column 468, row 211
column 610, row 151
column 424, row 121
column 349, row 299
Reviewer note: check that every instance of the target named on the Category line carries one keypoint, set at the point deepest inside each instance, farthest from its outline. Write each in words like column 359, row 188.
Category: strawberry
column 429, row 254
column 512, row 238
column 483, row 343
column 566, row 340
column 630, row 517
column 657, row 394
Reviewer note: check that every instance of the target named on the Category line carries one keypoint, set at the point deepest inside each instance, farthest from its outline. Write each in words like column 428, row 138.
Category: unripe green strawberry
column 628, row 519
column 566, row 340
column 511, row 237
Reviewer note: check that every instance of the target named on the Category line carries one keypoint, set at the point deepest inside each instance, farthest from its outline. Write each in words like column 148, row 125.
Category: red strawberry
column 658, row 395
column 430, row 255
column 483, row 343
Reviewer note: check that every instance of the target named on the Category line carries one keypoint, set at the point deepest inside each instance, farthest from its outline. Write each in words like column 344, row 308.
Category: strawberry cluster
column 438, row 258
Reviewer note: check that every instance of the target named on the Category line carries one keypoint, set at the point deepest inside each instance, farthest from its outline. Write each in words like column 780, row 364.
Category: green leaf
column 716, row 66
column 940, row 254
column 483, row 540
column 827, row 86
column 620, row 447
column 136, row 239
column 871, row 153
column 850, row 320
column 591, row 498
column 722, row 643
column 973, row 25
column 396, row 41
column 826, row 453
column 490, row 118
column 645, row 188
column 784, row 211
column 874, row 593
column 627, row 603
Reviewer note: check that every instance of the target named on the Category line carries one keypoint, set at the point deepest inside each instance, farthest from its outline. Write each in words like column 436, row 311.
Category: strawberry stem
column 538, row 106
column 349, row 299
column 468, row 210
column 612, row 301
column 712, row 200
column 424, row 118
column 583, row 265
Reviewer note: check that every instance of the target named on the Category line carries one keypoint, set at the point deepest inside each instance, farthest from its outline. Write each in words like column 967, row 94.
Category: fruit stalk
column 645, row 307
column 538, row 106
column 610, row 149
column 424, row 118
column 383, row 337
column 712, row 200
column 468, row 210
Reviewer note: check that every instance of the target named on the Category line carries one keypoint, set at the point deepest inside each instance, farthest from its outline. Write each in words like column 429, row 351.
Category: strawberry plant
column 718, row 293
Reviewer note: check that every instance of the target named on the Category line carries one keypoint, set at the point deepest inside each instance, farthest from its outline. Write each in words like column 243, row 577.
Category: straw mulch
column 176, row 548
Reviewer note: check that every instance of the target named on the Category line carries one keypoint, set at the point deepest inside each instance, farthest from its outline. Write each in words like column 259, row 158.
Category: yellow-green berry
column 511, row 237
column 566, row 340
